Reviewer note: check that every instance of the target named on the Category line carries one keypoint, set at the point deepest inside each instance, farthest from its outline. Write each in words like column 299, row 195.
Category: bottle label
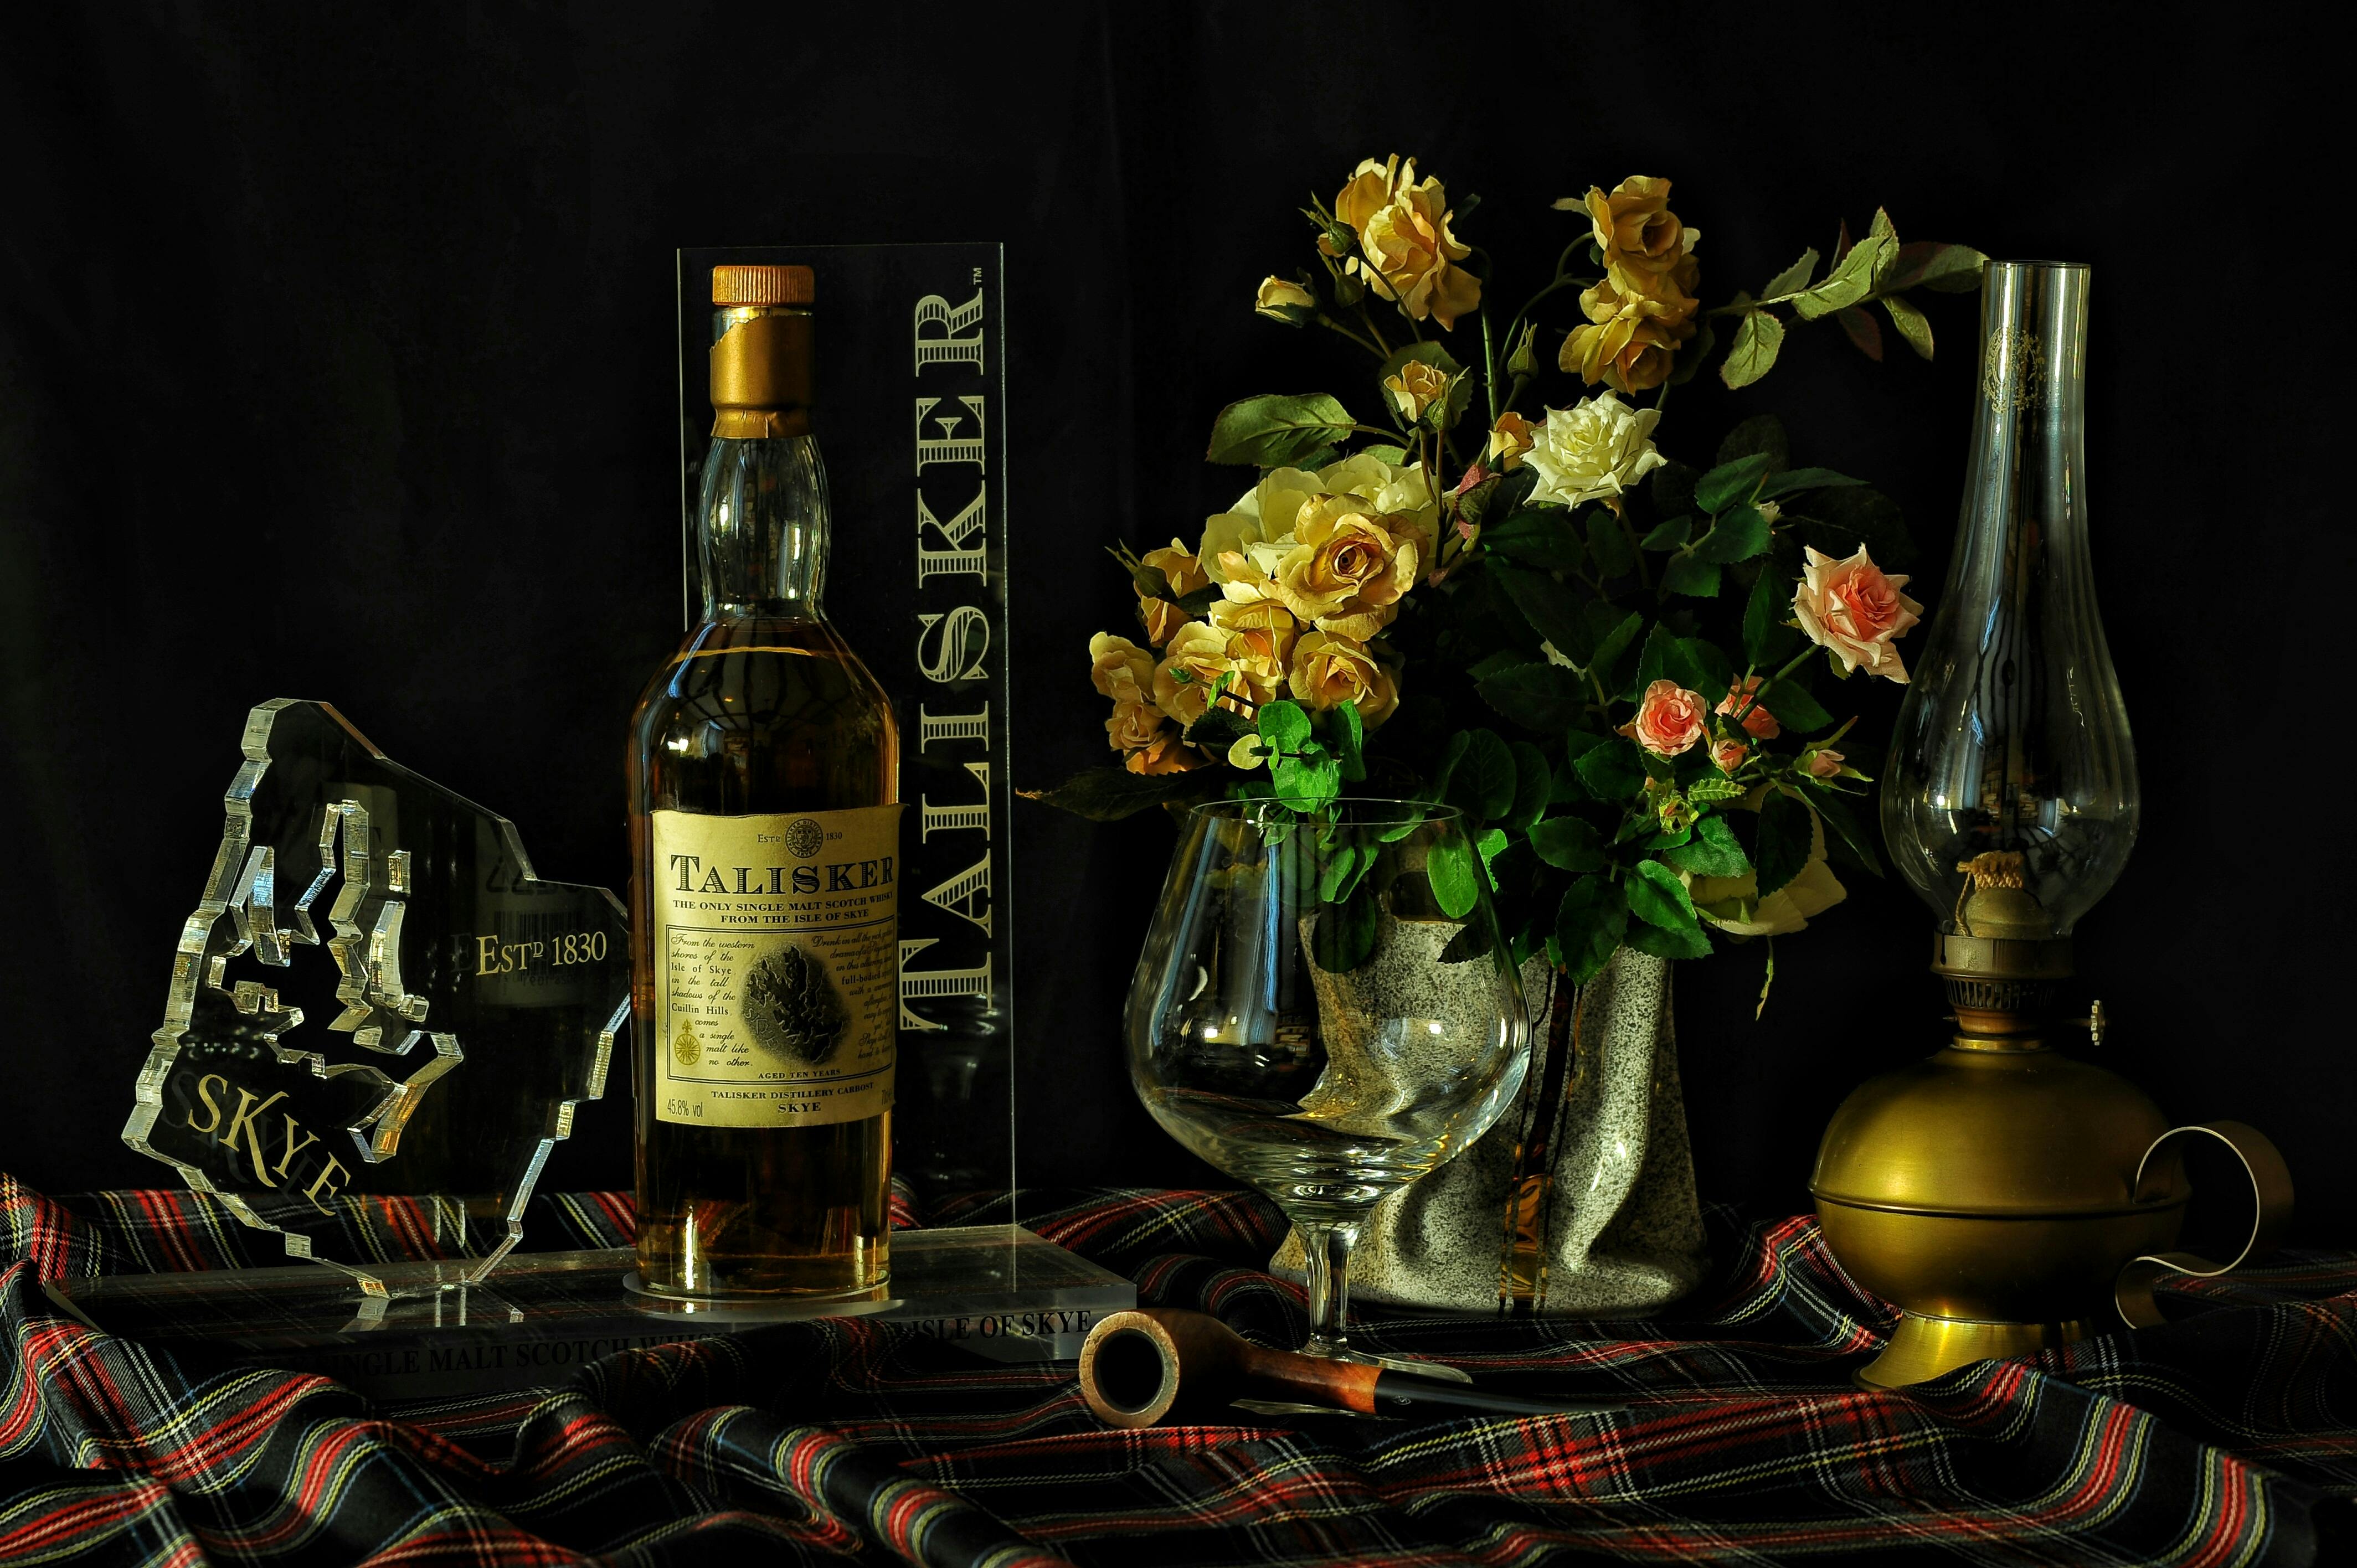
column 776, row 966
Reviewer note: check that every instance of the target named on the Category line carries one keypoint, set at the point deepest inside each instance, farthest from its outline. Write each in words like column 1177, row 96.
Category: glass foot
column 1411, row 1365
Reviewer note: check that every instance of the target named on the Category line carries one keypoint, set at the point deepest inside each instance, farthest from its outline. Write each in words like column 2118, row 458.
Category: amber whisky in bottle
column 764, row 770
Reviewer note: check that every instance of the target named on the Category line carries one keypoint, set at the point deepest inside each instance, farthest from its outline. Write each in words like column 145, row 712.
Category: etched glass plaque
column 380, row 1018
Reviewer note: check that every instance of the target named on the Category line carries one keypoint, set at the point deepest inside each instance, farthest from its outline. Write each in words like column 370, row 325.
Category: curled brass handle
column 2271, row 1200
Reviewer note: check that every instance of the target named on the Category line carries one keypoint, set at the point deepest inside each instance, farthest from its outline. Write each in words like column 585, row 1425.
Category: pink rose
column 1729, row 754
column 1854, row 608
column 1759, row 723
column 1821, row 764
column 1669, row 720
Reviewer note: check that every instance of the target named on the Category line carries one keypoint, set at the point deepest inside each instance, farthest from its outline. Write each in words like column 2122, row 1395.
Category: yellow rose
column 1416, row 387
column 1185, row 575
column 1346, row 567
column 1260, row 642
column 1328, row 670
column 1631, row 339
column 1191, row 670
column 1282, row 301
column 1641, row 239
column 1120, row 669
column 1511, row 437
column 1167, row 755
column 1133, row 725
column 1410, row 256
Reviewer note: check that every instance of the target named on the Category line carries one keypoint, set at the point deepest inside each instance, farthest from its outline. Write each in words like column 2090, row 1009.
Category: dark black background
column 336, row 360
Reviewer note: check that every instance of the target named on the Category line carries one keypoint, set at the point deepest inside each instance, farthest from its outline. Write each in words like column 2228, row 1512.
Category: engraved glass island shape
column 376, row 1003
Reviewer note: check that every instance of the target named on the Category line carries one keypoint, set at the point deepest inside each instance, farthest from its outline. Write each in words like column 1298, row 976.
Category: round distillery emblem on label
column 686, row 1047
column 804, row 838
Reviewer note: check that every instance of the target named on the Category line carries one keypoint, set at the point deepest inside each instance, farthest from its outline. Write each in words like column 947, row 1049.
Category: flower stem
column 1768, row 686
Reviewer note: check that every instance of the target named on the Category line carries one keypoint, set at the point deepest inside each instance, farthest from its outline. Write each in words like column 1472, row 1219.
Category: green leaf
column 1107, row 794
column 1533, row 784
column 1738, row 536
column 1201, row 599
column 1394, row 456
column 1700, row 667
column 1452, row 755
column 1657, row 897
column 1838, row 520
column 1839, row 817
column 1668, row 535
column 1273, row 430
column 1712, row 850
column 1284, row 725
column 1587, row 926
column 1785, row 829
column 1482, row 786
column 1760, row 432
column 1336, row 877
column 1613, row 644
column 1693, row 352
column 1552, row 608
column 1567, row 843
column 1542, row 536
column 1910, row 322
column 1929, row 263
column 1758, row 341
column 1608, row 545
column 1218, row 729
column 1852, row 280
column 1661, row 943
column 1767, row 640
column 1306, row 783
column 1703, row 791
column 1731, row 482
column 1686, row 572
column 1796, row 709
column 1350, row 741
column 1793, row 278
column 1344, row 935
column 1793, row 480
column 1449, row 864
column 1864, row 333
column 1612, row 770
column 1546, row 697
column 1671, row 487
column 1491, row 843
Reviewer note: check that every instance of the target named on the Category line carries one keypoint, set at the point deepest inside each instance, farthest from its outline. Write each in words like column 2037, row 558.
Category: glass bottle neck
column 761, row 537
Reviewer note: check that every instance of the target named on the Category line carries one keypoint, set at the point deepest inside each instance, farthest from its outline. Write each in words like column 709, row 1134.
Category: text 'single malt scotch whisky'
column 764, row 821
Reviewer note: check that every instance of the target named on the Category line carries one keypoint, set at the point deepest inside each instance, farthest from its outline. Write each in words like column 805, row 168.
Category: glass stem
column 1327, row 1244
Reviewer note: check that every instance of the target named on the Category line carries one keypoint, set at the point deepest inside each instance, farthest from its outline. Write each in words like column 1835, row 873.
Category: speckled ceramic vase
column 1602, row 1221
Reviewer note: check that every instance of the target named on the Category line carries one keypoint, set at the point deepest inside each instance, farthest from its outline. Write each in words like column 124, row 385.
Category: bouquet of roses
column 1639, row 629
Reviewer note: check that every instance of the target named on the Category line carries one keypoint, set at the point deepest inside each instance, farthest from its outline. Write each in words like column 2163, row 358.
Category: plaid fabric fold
column 2227, row 1436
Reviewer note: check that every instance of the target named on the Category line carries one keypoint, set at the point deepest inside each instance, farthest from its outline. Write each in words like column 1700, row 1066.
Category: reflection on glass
column 2010, row 798
column 1306, row 1019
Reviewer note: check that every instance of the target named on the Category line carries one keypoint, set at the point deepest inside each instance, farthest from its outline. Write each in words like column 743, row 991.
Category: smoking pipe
column 1136, row 1367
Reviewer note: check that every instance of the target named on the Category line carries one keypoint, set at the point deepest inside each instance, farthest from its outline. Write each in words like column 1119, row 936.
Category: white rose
column 1593, row 450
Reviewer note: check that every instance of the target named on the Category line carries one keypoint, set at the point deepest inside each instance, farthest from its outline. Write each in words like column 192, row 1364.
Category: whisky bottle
column 764, row 781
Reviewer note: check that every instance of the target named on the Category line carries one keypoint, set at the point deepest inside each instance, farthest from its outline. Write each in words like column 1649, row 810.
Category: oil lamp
column 1997, row 1189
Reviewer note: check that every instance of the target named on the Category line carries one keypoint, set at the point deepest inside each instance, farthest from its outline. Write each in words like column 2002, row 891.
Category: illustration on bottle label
column 776, row 963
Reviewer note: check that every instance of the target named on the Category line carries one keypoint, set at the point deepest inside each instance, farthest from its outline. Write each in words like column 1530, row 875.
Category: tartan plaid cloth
column 2227, row 1436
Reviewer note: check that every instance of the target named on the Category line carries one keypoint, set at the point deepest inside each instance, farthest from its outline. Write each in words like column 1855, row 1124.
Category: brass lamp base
column 1922, row 1347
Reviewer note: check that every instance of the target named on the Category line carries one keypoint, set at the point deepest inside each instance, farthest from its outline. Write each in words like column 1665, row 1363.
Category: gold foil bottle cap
column 761, row 285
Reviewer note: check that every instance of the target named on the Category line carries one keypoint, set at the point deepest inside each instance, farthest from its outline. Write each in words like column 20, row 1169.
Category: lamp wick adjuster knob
column 2096, row 1023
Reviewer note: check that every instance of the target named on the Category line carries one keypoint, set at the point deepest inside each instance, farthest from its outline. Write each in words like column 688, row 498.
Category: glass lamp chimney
column 2009, row 800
